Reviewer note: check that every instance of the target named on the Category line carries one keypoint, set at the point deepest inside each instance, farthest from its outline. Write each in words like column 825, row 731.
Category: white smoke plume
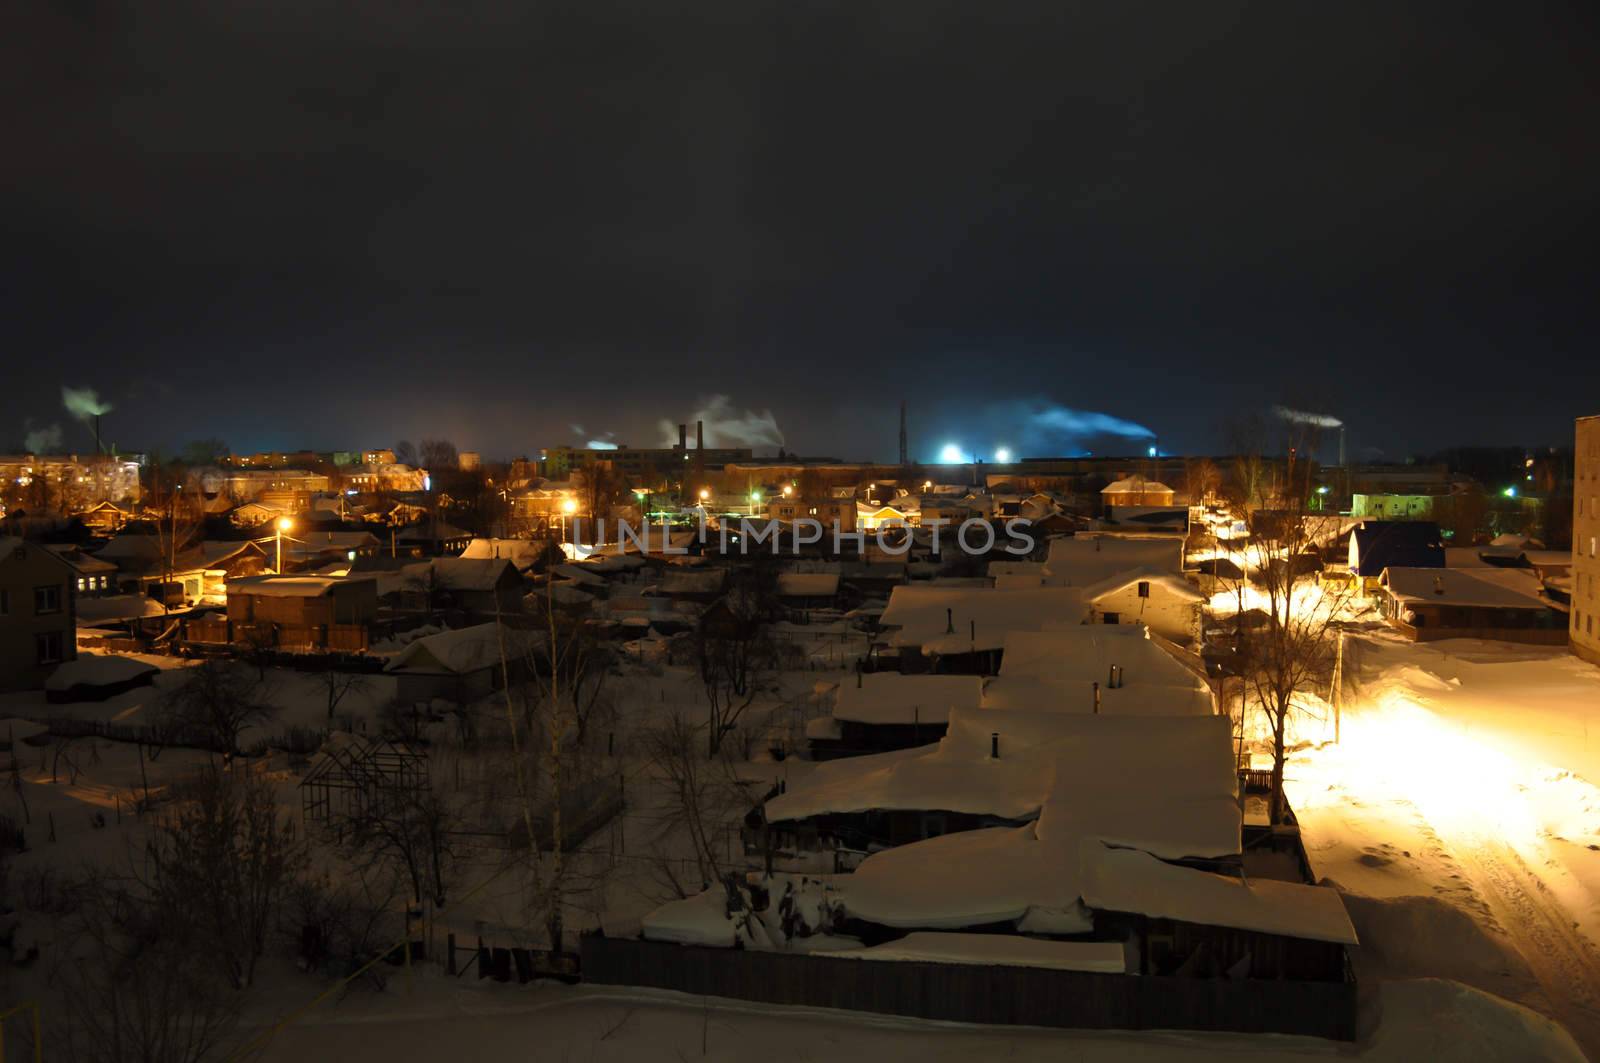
column 726, row 426
column 83, row 403
column 1320, row 420
column 43, row 440
column 605, row 442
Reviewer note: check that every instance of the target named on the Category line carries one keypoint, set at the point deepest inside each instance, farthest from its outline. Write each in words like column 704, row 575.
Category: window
column 1144, row 588
column 47, row 599
column 47, row 647
column 81, row 585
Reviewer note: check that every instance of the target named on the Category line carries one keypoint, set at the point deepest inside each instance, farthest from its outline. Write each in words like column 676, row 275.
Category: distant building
column 1392, row 506
column 37, row 614
column 377, row 457
column 1136, row 491
column 70, row 483
column 467, row 460
column 1585, row 628
column 297, row 612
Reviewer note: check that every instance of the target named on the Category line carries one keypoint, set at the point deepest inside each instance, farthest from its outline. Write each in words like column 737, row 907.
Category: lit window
column 81, row 585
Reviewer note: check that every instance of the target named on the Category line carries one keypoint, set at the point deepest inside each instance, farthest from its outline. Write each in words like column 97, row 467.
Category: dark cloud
column 340, row 224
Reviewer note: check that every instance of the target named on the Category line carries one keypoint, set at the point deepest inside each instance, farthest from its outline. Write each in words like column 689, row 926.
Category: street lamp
column 705, row 494
column 568, row 507
column 788, row 490
column 755, row 497
column 284, row 524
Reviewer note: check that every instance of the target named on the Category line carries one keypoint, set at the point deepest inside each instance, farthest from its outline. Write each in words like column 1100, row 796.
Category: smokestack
column 1341, row 446
column 699, row 435
column 903, row 433
column 683, row 437
column 98, row 449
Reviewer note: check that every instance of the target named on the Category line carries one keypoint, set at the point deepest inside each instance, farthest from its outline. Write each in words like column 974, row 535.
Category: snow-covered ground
column 1460, row 812
column 1432, row 1020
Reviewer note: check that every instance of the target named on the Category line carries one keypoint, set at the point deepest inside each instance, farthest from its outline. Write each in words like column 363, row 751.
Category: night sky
column 519, row 224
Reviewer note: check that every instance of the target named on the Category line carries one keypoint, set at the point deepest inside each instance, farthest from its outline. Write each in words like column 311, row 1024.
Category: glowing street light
column 950, row 454
column 1151, row 452
column 1510, row 492
column 284, row 524
column 705, row 494
column 568, row 507
column 1003, row 455
column 788, row 490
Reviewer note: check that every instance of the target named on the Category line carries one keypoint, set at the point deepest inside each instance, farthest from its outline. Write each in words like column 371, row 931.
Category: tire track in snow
column 1566, row 964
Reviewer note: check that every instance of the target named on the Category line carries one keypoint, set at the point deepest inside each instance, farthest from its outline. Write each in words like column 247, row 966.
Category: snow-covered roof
column 460, row 573
column 290, row 586
column 1171, row 585
column 808, row 584
column 1125, row 880
column 946, row 619
column 698, row 920
column 584, row 574
column 893, row 698
column 1457, row 587
column 523, row 553
column 462, row 650
column 997, row 950
column 1169, row 788
column 114, row 607
column 320, row 541
column 97, row 670
column 1134, row 485
column 1032, row 694
column 1084, row 561
column 132, row 548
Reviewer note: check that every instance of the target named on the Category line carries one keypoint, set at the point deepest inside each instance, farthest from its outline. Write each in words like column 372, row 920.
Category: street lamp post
column 568, row 507
column 283, row 525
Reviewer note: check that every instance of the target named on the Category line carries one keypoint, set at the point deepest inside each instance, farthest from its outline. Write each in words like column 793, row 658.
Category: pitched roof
column 938, row 618
column 1379, row 544
column 1457, row 587
column 461, row 651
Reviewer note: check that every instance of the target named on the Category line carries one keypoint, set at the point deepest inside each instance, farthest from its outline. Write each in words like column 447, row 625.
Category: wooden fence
column 1027, row 996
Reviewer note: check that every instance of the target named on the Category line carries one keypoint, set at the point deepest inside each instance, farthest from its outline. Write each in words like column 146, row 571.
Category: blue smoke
column 1022, row 428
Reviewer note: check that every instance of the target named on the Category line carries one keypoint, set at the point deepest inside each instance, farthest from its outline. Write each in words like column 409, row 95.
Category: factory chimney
column 699, row 435
column 903, row 460
column 683, row 438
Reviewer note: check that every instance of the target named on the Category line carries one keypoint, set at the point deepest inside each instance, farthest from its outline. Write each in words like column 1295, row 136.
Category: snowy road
column 1442, row 788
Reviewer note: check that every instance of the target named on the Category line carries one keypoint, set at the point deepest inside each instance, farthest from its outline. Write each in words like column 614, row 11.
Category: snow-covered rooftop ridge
column 1457, row 587
column 1033, row 694
column 1133, row 485
column 1087, row 560
column 1017, row 874
column 461, row 650
column 946, row 619
column 523, row 553
column 1171, row 582
column 1125, row 880
column 892, row 698
column 1087, row 651
column 291, row 586
column 1169, row 787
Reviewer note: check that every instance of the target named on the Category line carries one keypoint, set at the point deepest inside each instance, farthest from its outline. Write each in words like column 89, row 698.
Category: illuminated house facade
column 1584, row 631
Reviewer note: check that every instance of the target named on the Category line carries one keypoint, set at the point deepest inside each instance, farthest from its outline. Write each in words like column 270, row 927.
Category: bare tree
column 219, row 699
column 735, row 655
column 704, row 798
column 224, row 858
column 338, row 685
column 408, row 832
column 437, row 454
column 1292, row 646
column 135, row 987
column 405, row 453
